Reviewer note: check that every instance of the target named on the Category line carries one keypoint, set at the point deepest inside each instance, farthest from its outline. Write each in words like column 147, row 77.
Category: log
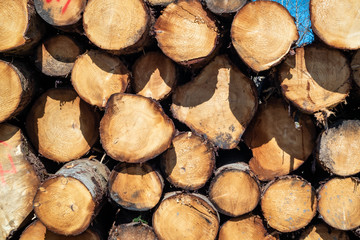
column 97, row 75
column 60, row 120
column 262, row 33
column 249, row 227
column 154, row 76
column 185, row 216
column 279, row 143
column 60, row 13
column 132, row 231
column 189, row 162
column 17, row 88
column 339, row 203
column 136, row 187
column 315, row 79
column 186, row 33
column 55, row 57
column 233, row 190
column 337, row 149
column 21, row 173
column 38, row 231
column 355, row 67
column 221, row 7
column 121, row 26
column 333, row 22
column 68, row 201
column 288, row 203
column 135, row 128
column 218, row 104
column 322, row 231
column 21, row 28
column 161, row 3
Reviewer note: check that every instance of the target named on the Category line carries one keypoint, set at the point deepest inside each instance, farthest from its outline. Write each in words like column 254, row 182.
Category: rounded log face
column 185, row 216
column 218, row 104
column 323, row 232
column 115, row 25
column 338, row 148
column 273, row 31
column 60, row 13
column 355, row 67
column 339, row 203
column 325, row 15
column 56, row 56
column 245, row 227
column 18, row 179
column 132, row 231
column 233, row 191
column 61, row 126
column 135, row 187
column 154, row 76
column 224, row 6
column 97, row 75
column 278, row 144
column 38, row 231
column 185, row 32
column 189, row 163
column 289, row 203
column 135, row 128
column 315, row 78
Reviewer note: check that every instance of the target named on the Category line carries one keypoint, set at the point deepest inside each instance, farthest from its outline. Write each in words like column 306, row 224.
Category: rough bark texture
column 132, row 231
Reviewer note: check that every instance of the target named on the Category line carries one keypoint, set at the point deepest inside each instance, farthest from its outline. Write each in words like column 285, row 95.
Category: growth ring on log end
column 135, row 128
column 132, row 231
column 186, row 33
column 262, row 33
column 336, row 22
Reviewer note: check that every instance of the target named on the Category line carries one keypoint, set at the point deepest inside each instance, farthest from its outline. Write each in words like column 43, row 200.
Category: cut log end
column 224, row 6
column 132, row 231
column 145, row 130
column 189, row 163
column 186, row 33
column 325, row 22
column 60, row 13
column 97, row 75
column 339, row 203
column 154, row 76
column 289, row 203
column 223, row 88
column 273, row 31
column 315, row 78
column 161, row 3
column 323, row 232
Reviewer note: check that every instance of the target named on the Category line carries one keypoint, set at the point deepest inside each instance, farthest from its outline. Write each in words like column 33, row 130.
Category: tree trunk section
column 125, row 32
column 316, row 78
column 339, row 203
column 154, row 76
column 247, row 227
column 132, row 231
column 279, row 142
column 76, row 125
column 55, row 57
column 160, row 3
column 97, row 75
column 221, row 7
column 21, row 28
column 338, row 148
column 185, row 216
column 333, row 22
column 288, row 203
column 38, row 231
column 67, row 202
column 262, row 33
column 234, row 191
column 218, row 104
column 17, row 88
column 136, row 187
column 21, row 173
column 189, row 162
column 323, row 232
column 186, row 33
column 135, row 128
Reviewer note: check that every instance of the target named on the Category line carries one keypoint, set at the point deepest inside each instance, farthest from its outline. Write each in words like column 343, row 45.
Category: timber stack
column 179, row 119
